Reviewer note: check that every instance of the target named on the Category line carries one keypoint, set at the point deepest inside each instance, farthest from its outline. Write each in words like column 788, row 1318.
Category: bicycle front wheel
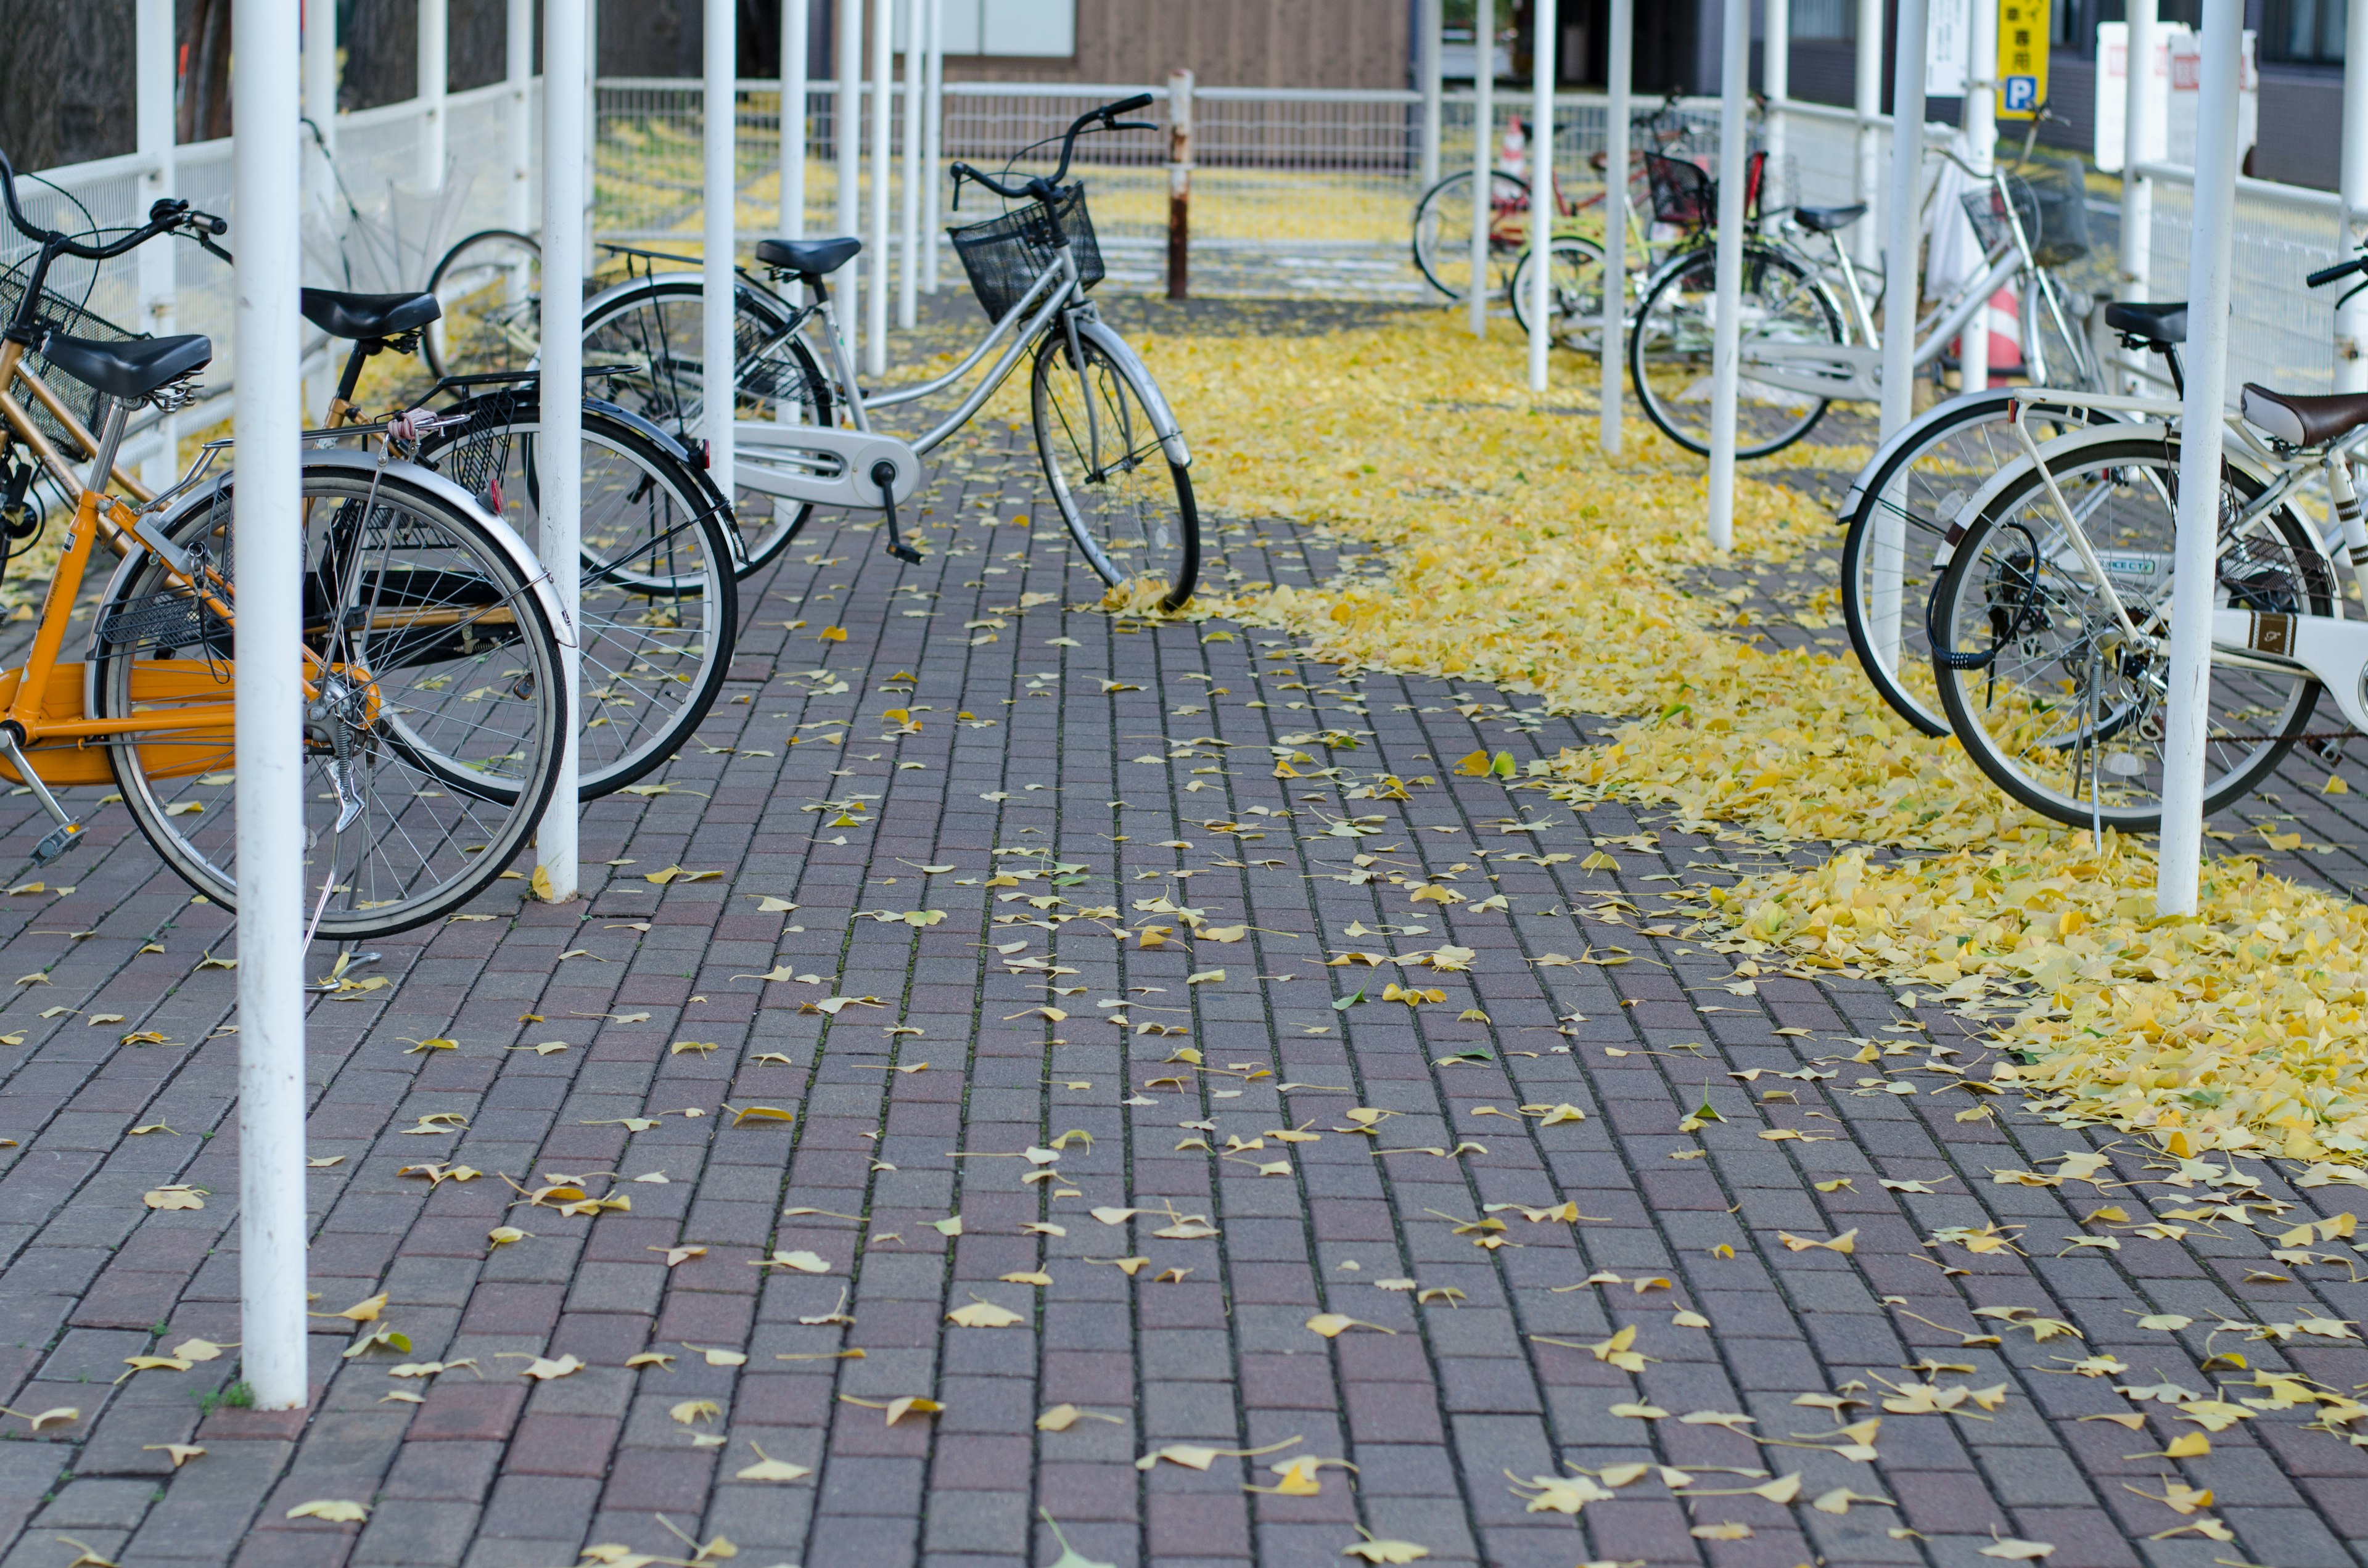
column 1576, row 299
column 1128, row 507
column 490, row 285
column 432, row 743
column 1896, row 547
column 1442, row 232
column 654, row 331
column 1669, row 351
column 658, row 610
column 2046, row 690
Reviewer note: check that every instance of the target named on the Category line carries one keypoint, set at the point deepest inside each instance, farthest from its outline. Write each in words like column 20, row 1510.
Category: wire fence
column 1294, row 192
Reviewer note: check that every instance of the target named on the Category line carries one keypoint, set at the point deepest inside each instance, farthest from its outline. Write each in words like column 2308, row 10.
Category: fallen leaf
column 335, row 1510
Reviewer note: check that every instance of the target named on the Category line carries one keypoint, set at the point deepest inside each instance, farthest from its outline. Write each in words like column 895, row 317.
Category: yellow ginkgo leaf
column 337, row 1510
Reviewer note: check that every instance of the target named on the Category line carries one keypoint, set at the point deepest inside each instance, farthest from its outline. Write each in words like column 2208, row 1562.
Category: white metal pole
column 847, row 133
column 1866, row 97
column 267, row 414
column 720, row 49
column 435, row 70
column 320, row 70
column 2210, row 259
column 793, row 119
column 2141, row 114
column 1726, row 332
column 565, row 255
column 1901, row 272
column 320, row 67
column 884, row 172
column 1776, row 85
column 2351, row 318
column 933, row 140
column 519, row 76
column 152, row 44
column 1427, row 19
column 1543, row 206
column 1619, row 67
column 1980, row 123
column 1484, row 156
column 908, row 210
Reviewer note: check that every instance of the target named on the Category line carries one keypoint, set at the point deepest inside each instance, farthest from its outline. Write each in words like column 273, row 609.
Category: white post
column 267, row 413
column 1428, row 20
column 2210, row 260
column 883, row 171
column 719, row 48
column 1776, row 85
column 320, row 67
column 1726, row 332
column 435, row 70
column 1484, row 155
column 320, row 49
column 1866, row 97
column 518, row 74
column 847, row 132
column 566, row 132
column 1900, row 274
column 908, row 211
column 793, row 119
column 933, row 140
column 1980, row 123
column 152, row 45
column 2351, row 319
column 1619, row 67
column 2141, row 117
column 1541, row 183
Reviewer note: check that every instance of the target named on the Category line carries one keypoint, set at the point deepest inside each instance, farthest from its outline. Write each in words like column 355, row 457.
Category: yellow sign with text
column 2023, row 38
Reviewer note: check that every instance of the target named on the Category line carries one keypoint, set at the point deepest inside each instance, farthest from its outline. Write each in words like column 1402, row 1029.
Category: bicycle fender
column 1906, row 435
column 644, row 428
column 821, row 466
column 1154, row 402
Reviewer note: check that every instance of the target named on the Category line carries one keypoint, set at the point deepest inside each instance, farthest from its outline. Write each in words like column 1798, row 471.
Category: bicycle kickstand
column 883, row 474
column 68, row 830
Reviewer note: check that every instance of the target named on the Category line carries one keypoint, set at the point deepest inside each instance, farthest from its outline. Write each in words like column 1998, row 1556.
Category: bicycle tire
column 1673, row 336
column 1924, row 483
column 423, row 844
column 499, row 337
column 2013, row 583
column 641, row 696
column 1578, row 293
column 1442, row 232
column 643, row 324
column 1109, row 511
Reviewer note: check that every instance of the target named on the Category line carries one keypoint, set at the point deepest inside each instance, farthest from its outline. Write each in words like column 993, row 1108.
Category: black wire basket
column 1006, row 255
column 64, row 315
column 1687, row 198
column 2051, row 200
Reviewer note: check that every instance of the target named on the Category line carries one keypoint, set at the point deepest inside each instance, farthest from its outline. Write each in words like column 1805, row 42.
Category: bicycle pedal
column 56, row 843
column 905, row 553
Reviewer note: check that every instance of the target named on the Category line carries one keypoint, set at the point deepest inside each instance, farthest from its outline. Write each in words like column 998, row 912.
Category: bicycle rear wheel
column 432, row 744
column 1442, row 232
column 1128, row 507
column 2059, row 706
column 1576, row 300
column 490, row 285
column 655, row 329
column 659, row 611
column 1896, row 547
column 1669, row 351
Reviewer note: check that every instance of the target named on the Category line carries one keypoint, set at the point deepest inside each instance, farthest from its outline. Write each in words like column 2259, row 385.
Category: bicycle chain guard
column 820, row 466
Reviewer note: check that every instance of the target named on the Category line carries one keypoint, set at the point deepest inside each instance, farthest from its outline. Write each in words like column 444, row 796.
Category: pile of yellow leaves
column 1520, row 557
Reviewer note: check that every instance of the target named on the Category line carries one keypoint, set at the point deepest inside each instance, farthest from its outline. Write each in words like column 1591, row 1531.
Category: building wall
column 1232, row 43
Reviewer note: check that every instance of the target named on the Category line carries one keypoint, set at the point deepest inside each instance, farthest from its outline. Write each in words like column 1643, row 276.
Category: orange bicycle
column 430, row 647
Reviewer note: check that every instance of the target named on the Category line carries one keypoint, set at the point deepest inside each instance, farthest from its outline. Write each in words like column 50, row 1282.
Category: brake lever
column 1130, row 125
column 205, row 243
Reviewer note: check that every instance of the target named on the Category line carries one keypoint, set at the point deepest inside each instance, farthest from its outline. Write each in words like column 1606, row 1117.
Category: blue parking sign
column 2021, row 94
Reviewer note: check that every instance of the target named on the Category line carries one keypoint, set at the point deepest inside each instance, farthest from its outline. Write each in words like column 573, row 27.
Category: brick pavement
column 1063, row 765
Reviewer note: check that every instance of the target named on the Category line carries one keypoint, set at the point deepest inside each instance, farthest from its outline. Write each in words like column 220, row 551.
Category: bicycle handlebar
column 2327, row 275
column 1040, row 186
column 165, row 217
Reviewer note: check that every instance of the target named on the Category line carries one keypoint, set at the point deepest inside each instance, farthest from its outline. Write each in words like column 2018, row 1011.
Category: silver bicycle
column 1113, row 455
